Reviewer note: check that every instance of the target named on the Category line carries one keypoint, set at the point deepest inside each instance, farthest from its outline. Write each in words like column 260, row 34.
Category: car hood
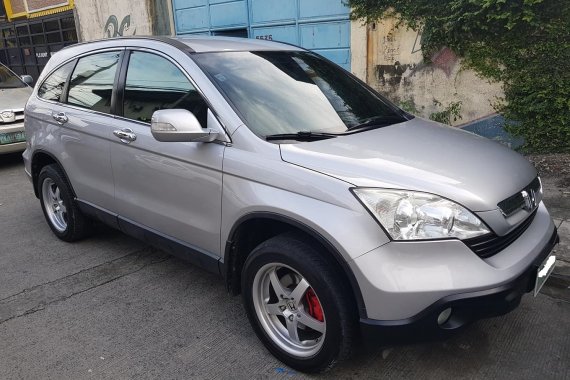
column 14, row 98
column 420, row 155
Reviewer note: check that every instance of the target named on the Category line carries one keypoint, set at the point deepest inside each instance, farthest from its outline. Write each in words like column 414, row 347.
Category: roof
column 194, row 44
column 201, row 44
column 188, row 44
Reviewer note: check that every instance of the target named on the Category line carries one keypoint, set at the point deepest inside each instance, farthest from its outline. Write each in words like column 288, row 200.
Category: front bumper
column 13, row 147
column 465, row 308
column 400, row 279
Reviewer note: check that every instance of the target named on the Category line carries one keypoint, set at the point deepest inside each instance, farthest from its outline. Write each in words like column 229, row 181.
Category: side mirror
column 179, row 125
column 27, row 79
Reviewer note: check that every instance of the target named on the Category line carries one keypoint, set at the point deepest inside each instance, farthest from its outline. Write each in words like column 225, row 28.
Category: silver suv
column 335, row 214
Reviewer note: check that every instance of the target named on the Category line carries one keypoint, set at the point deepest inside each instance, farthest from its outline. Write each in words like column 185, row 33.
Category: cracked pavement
column 113, row 307
column 40, row 296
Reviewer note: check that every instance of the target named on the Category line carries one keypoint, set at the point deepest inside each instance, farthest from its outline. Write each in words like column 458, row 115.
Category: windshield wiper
column 376, row 122
column 301, row 136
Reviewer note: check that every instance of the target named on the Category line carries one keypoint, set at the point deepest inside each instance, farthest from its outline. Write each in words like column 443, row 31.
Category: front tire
column 60, row 209
column 298, row 304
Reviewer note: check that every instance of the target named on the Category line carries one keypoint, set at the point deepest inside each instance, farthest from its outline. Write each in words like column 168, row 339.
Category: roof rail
column 165, row 39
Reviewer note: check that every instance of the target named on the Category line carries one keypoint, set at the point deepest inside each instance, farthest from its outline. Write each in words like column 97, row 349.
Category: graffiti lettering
column 391, row 49
column 113, row 29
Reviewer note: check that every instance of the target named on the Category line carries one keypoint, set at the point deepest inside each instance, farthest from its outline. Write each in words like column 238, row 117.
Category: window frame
column 63, row 97
column 121, row 84
column 73, row 62
column 66, row 88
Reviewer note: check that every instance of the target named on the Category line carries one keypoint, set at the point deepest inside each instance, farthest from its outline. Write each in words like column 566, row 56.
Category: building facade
column 389, row 57
column 32, row 30
column 385, row 55
column 98, row 19
column 319, row 25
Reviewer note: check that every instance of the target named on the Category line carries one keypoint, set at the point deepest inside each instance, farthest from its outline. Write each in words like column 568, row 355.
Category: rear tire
column 286, row 281
column 58, row 204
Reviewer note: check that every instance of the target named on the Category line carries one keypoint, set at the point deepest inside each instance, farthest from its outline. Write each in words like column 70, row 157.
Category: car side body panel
column 257, row 180
column 170, row 187
column 82, row 146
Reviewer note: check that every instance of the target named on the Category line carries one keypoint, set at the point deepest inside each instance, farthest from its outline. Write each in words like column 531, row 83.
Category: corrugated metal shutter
column 319, row 25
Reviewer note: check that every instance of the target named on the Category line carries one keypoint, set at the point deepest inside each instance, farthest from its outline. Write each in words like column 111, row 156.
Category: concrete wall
column 98, row 19
column 390, row 59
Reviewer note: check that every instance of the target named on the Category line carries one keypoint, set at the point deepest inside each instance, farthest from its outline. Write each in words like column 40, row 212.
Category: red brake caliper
column 315, row 309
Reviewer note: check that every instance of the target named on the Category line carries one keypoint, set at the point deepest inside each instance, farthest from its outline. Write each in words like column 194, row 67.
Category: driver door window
column 154, row 83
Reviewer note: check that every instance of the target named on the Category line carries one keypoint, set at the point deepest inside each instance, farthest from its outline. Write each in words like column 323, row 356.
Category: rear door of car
column 78, row 116
column 168, row 193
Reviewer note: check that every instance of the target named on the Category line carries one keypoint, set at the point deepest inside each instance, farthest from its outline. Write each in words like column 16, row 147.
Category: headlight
column 7, row 114
column 411, row 215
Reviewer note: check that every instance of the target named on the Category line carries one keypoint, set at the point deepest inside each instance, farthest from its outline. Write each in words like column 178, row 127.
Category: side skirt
column 175, row 247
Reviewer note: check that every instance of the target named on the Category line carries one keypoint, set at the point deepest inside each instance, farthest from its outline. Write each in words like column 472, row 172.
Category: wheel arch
column 41, row 158
column 269, row 224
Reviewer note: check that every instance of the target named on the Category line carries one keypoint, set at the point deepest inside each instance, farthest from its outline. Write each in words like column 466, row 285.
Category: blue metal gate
column 319, row 25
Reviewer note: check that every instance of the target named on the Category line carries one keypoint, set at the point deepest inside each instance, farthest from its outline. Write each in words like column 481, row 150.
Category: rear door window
column 91, row 84
column 52, row 87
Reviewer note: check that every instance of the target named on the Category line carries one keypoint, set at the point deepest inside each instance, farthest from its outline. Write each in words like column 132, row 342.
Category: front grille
column 516, row 202
column 18, row 117
column 491, row 244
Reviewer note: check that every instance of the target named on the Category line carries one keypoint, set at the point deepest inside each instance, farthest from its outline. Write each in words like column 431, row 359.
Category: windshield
column 281, row 92
column 8, row 79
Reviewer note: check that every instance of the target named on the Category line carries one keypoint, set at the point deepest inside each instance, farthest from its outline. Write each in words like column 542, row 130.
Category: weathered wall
column 390, row 59
column 98, row 19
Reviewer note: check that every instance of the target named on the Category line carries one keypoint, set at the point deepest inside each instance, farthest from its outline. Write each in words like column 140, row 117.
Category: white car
column 14, row 93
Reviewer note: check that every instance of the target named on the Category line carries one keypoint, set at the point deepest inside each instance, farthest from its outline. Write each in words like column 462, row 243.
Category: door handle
column 126, row 135
column 60, row 117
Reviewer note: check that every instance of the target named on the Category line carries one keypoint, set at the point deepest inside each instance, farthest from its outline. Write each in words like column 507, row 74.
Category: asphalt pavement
column 111, row 307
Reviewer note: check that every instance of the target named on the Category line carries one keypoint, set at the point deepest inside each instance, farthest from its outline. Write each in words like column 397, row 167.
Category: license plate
column 543, row 272
column 12, row 137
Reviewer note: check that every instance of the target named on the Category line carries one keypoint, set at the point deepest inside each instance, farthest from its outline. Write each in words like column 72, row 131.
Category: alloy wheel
column 54, row 205
column 289, row 310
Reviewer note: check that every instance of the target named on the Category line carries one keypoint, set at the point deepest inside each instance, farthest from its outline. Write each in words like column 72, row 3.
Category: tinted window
column 288, row 91
column 154, row 83
column 52, row 87
column 8, row 79
column 92, row 81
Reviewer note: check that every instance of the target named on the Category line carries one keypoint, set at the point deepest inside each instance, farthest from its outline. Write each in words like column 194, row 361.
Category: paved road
column 112, row 307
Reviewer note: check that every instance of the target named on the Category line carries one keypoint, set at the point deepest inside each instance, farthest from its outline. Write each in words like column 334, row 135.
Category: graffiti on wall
column 390, row 49
column 397, row 73
column 393, row 75
column 114, row 29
